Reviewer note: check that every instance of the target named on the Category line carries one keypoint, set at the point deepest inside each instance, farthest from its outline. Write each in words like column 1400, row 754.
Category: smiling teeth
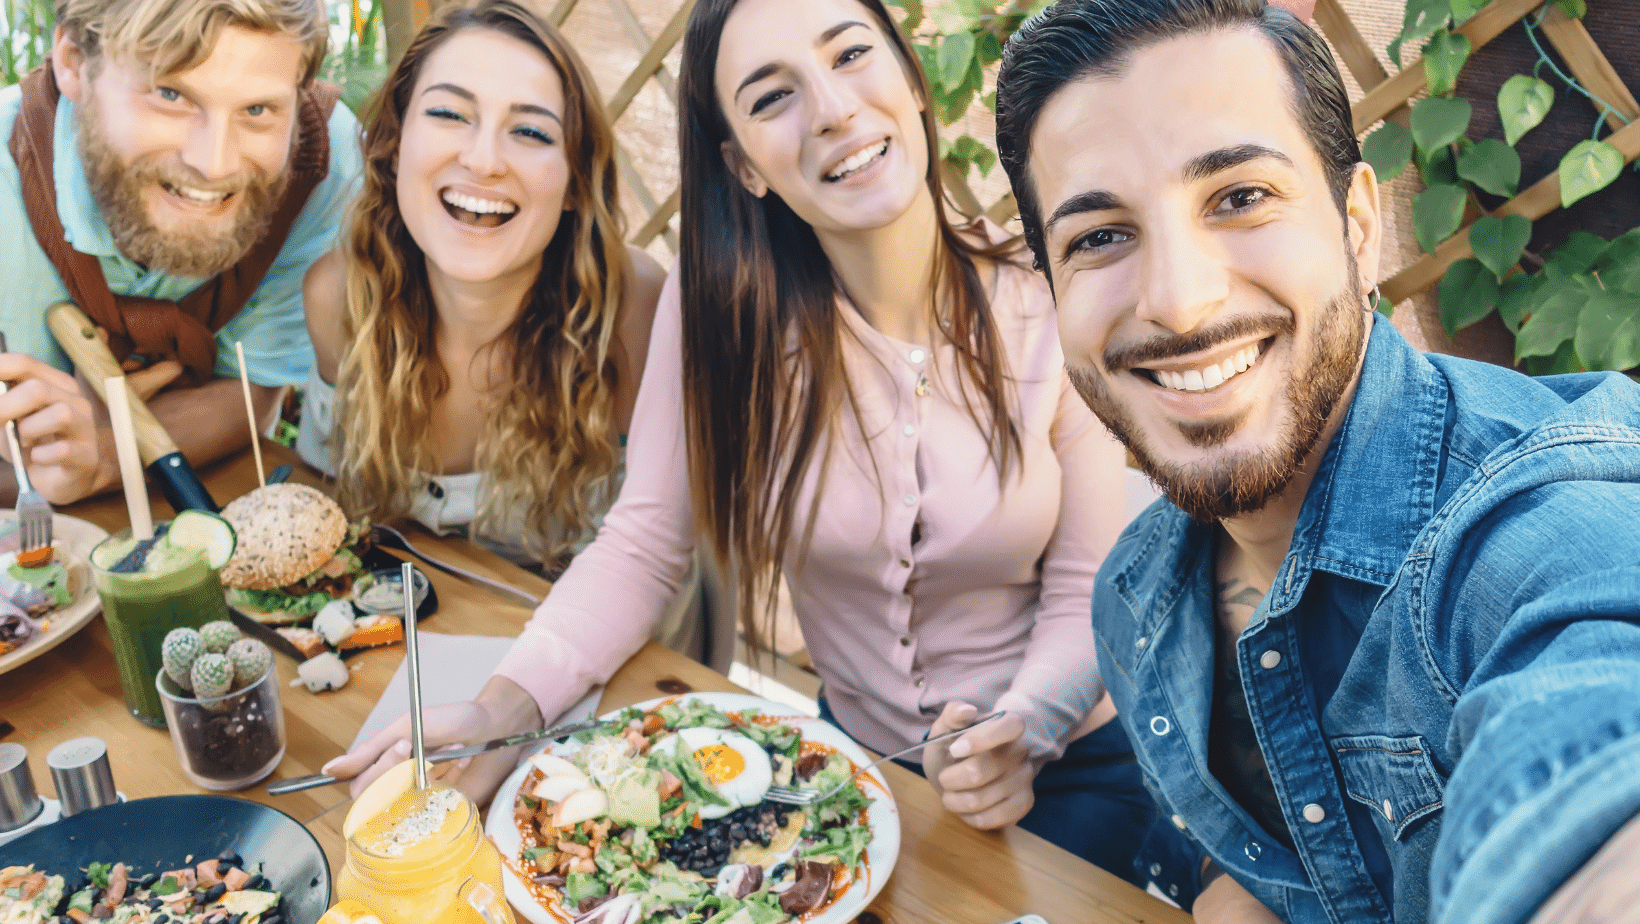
column 854, row 162
column 1208, row 377
column 198, row 196
column 479, row 206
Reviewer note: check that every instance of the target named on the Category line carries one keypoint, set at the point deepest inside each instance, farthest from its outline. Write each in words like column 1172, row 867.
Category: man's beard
column 1246, row 481
column 119, row 189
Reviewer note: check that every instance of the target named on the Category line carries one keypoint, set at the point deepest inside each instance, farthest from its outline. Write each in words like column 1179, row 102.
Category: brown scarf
column 155, row 328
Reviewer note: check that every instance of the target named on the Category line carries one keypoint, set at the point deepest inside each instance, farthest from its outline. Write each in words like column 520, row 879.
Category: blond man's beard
column 121, row 188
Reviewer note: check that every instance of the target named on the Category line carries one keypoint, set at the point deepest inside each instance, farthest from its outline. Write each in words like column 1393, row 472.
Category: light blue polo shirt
column 271, row 325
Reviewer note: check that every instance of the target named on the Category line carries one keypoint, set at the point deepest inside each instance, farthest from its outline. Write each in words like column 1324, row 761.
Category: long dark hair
column 764, row 379
column 547, row 446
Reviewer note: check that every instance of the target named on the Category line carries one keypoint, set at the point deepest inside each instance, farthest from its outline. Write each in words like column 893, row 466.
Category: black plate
column 374, row 560
column 159, row 834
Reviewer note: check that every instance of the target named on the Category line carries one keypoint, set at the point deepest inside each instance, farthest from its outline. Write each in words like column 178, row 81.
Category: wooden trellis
column 1387, row 97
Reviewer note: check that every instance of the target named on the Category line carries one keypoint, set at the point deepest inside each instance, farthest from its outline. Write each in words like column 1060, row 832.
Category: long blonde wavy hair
column 547, row 447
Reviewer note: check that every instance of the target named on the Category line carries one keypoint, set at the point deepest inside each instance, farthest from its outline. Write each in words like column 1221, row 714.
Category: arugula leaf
column 98, row 874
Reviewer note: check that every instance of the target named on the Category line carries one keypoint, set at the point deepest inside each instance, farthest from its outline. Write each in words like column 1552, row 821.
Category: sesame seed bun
column 286, row 532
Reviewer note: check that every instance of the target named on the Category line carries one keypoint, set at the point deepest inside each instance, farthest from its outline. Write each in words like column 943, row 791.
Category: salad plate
column 853, row 891
column 74, row 539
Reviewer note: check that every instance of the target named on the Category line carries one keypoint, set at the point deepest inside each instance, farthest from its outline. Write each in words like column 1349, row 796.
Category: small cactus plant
column 212, row 675
column 178, row 653
column 251, row 660
column 219, row 636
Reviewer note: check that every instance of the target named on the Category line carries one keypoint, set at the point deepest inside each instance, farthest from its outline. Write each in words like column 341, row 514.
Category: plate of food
column 666, row 815
column 40, row 607
column 301, row 575
column 194, row 855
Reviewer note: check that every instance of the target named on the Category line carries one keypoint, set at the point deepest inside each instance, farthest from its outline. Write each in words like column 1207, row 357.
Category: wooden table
column 947, row 872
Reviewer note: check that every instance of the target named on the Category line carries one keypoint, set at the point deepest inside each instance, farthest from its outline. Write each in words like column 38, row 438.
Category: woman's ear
column 735, row 159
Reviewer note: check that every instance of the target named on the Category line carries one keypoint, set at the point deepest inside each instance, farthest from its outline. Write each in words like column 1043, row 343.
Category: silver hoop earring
column 1373, row 300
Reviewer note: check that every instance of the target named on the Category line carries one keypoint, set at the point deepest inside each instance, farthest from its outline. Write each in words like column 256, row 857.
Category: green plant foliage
column 1462, row 10
column 1523, row 102
column 1491, row 165
column 1499, row 242
column 1608, row 331
column 1436, row 214
column 968, row 150
column 1388, row 150
column 1422, row 19
column 1444, row 57
column 1619, row 264
column 1576, row 9
column 1439, row 165
column 956, row 53
column 1438, row 121
column 1579, row 253
column 1589, row 166
column 1553, row 320
column 1515, row 296
column 1468, row 292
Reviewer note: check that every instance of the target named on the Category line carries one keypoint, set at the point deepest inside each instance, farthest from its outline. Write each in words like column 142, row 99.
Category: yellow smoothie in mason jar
column 422, row 857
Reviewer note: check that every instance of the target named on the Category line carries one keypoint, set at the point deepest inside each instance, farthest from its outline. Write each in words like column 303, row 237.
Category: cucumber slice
column 207, row 532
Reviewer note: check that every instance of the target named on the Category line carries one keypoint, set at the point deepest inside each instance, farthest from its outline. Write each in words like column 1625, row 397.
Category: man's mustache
column 1196, row 341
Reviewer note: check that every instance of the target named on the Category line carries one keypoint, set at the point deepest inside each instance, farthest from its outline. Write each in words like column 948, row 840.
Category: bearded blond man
column 173, row 169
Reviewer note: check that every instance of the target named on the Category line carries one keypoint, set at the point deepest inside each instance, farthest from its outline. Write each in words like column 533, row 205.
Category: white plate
column 884, row 815
column 74, row 539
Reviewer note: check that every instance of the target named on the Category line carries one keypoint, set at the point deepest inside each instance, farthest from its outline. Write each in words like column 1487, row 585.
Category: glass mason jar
column 444, row 879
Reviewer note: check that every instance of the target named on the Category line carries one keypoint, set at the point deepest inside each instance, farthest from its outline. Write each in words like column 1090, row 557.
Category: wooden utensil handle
column 78, row 337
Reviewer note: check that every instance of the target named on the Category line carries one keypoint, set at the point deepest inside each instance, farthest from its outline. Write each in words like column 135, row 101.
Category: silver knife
column 299, row 783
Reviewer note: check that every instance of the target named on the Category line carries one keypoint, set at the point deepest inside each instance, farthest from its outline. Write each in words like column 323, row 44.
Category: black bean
column 273, row 918
column 229, row 858
column 235, row 918
column 780, row 819
column 711, row 871
column 257, row 883
column 148, row 880
column 764, row 838
column 215, row 892
column 162, row 919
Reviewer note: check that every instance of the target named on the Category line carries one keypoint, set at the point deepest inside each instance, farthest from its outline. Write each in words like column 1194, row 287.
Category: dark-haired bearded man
column 173, row 170
column 1378, row 649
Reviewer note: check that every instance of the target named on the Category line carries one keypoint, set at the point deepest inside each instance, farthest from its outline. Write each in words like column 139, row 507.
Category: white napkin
column 453, row 668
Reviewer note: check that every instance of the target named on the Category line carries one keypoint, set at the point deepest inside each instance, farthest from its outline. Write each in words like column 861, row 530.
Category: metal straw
column 417, row 751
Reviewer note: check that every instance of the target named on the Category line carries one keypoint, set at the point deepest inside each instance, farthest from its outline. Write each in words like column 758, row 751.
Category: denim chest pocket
column 1393, row 776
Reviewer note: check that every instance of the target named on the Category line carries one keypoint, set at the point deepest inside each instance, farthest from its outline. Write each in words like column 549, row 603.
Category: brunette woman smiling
column 846, row 389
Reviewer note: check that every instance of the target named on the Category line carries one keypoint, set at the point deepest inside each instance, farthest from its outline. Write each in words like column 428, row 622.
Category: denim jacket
column 1444, row 677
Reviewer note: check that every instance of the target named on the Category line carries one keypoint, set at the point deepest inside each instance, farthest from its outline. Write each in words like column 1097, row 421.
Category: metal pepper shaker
column 80, row 769
column 19, row 803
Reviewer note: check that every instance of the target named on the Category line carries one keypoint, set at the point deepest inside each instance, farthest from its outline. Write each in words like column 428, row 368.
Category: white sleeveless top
column 445, row 504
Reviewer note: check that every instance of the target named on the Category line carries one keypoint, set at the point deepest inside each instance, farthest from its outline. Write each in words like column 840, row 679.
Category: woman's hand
column 984, row 776
column 1224, row 901
column 502, row 708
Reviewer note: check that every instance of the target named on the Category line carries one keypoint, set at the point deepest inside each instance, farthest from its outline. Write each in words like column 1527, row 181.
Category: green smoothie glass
column 175, row 586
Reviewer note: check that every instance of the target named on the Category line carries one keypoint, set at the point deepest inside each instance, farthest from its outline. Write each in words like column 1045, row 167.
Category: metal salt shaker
column 19, row 803
column 80, row 769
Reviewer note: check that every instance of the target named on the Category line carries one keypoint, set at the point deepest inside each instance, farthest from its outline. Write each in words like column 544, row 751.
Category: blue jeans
column 1091, row 801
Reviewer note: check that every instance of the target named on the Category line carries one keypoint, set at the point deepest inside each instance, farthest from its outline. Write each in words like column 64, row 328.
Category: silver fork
column 393, row 539
column 793, row 796
column 33, row 513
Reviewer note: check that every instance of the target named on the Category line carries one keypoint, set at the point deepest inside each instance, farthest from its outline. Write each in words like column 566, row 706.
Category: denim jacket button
column 1314, row 814
column 1269, row 659
column 1160, row 725
column 1253, row 850
column 1142, row 642
column 1178, row 822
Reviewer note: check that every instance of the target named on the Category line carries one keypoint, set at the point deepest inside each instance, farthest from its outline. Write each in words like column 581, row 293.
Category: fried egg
column 737, row 768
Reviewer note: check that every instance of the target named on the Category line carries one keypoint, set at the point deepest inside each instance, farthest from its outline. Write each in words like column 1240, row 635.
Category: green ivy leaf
column 1579, row 253
column 990, row 49
column 1436, row 214
column 1462, row 10
column 913, row 14
column 1444, row 56
column 1564, row 360
column 1499, row 242
column 1491, row 165
column 1515, row 296
column 968, row 151
column 1423, row 18
column 1469, row 291
column 956, row 53
column 1608, row 331
column 1576, row 9
column 1388, row 150
column 1554, row 320
column 1438, row 121
column 1437, row 166
column 1523, row 101
column 1588, row 167
column 1619, row 265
